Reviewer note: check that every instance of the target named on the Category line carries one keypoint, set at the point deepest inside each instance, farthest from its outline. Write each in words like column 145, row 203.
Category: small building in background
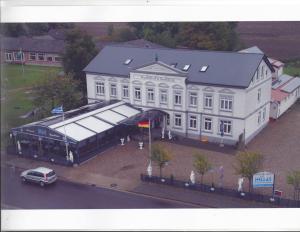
column 285, row 92
column 32, row 51
column 285, row 88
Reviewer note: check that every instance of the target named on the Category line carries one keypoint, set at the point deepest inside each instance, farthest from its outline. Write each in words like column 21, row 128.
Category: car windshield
column 52, row 173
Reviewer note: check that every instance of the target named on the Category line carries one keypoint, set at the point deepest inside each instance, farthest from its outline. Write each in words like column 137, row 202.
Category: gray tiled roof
column 225, row 68
column 141, row 43
column 282, row 79
column 28, row 44
column 291, row 85
column 253, row 49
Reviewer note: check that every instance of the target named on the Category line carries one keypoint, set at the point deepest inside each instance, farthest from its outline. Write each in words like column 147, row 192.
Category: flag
column 144, row 124
column 57, row 110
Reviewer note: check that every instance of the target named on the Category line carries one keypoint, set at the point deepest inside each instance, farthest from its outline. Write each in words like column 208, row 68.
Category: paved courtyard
column 279, row 143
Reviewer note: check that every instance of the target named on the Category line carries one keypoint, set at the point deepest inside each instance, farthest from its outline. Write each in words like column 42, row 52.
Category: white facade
column 278, row 108
column 194, row 110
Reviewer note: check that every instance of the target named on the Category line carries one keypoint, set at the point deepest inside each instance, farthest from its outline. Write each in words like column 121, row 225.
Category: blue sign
column 263, row 179
column 57, row 110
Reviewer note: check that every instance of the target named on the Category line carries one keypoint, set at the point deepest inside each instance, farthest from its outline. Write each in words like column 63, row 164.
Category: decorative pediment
column 125, row 80
column 208, row 89
column 177, row 87
column 112, row 79
column 160, row 67
column 227, row 91
column 193, row 87
column 99, row 78
column 137, row 82
column 149, row 83
column 163, row 85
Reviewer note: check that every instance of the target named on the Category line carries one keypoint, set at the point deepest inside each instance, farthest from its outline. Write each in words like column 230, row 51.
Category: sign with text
column 263, row 179
column 278, row 193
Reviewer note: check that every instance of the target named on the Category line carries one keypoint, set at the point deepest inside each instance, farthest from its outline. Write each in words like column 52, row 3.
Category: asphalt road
column 66, row 195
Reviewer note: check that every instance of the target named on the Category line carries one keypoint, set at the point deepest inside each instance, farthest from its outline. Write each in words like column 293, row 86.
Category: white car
column 39, row 175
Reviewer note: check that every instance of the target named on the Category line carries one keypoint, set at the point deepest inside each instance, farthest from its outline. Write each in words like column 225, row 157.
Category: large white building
column 199, row 90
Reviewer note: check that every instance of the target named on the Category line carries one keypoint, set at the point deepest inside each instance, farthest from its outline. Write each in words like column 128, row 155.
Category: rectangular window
column 150, row 95
column 193, row 122
column 193, row 99
column 227, row 127
column 259, row 117
column 262, row 71
column 177, row 97
column 264, row 114
column 32, row 56
column 168, row 119
column 208, row 124
column 137, row 93
column 177, row 119
column 208, row 101
column 8, row 56
column 18, row 56
column 257, row 77
column 41, row 56
column 113, row 90
column 163, row 96
column 125, row 91
column 226, row 103
column 57, row 58
column 49, row 58
column 100, row 88
column 258, row 95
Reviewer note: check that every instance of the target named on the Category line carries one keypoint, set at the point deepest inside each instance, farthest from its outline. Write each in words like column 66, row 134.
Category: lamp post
column 222, row 133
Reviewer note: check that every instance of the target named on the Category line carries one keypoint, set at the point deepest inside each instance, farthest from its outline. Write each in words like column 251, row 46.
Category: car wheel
column 42, row 184
column 24, row 179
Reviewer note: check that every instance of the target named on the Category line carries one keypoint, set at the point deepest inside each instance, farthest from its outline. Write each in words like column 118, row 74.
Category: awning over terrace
column 83, row 125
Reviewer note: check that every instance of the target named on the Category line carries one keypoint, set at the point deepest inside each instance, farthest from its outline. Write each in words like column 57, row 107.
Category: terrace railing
column 280, row 202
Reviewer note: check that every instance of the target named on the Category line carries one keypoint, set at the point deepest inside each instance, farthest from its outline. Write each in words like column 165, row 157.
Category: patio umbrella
column 149, row 170
column 192, row 177
column 19, row 147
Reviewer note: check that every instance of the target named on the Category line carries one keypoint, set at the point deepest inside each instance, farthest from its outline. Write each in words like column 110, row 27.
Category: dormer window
column 128, row 61
column 186, row 67
column 203, row 68
column 173, row 65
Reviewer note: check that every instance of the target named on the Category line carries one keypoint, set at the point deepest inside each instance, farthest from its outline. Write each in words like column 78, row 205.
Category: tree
column 210, row 36
column 13, row 29
column 161, row 33
column 160, row 156
column 56, row 91
column 201, row 164
column 293, row 178
column 110, row 30
column 124, row 34
column 248, row 163
column 80, row 50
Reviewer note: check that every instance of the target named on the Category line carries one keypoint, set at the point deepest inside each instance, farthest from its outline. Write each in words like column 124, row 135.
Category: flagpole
column 21, row 53
column 149, row 142
column 65, row 134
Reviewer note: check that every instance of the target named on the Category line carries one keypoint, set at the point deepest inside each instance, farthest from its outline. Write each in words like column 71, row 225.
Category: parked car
column 39, row 175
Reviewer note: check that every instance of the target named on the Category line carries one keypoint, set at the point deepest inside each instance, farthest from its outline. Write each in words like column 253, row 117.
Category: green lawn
column 14, row 77
column 292, row 67
column 16, row 98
